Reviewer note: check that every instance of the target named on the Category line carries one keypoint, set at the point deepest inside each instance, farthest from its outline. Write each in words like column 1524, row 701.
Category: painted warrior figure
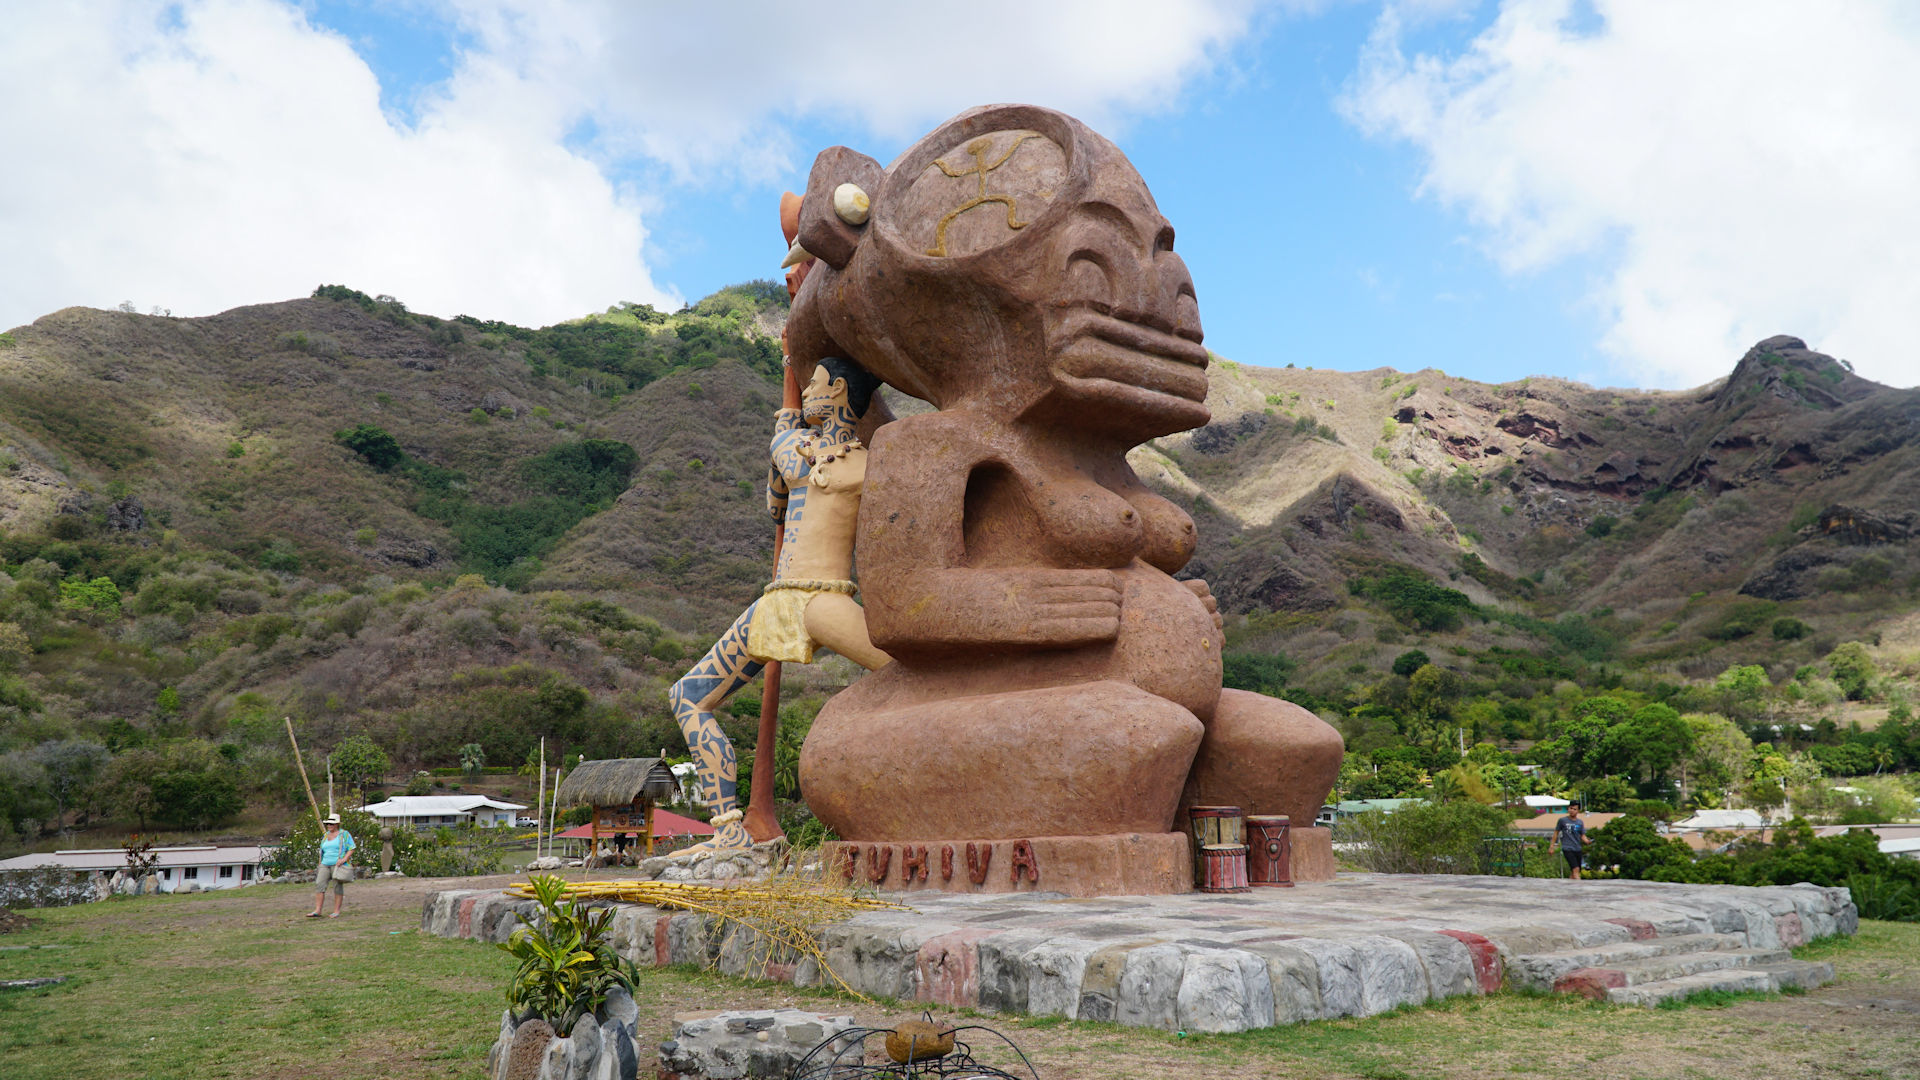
column 1012, row 269
column 817, row 474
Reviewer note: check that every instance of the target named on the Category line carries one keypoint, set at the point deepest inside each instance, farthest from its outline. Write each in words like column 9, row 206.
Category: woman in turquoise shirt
column 336, row 848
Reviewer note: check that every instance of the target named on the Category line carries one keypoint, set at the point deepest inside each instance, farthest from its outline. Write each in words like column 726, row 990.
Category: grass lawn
column 240, row 985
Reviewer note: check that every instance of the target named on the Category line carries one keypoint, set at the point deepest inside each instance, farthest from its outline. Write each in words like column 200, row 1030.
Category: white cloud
column 212, row 153
column 230, row 153
column 1736, row 168
column 709, row 85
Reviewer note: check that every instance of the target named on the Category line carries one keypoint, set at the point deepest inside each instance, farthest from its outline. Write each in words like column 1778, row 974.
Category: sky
column 1624, row 193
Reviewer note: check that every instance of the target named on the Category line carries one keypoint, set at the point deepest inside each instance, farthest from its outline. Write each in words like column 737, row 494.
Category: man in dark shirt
column 1570, row 836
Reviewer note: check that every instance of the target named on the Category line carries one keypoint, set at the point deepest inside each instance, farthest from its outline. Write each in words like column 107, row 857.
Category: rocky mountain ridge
column 1793, row 480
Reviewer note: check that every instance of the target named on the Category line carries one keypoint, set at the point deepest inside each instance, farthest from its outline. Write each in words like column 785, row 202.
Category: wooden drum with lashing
column 1225, row 868
column 1270, row 850
column 1213, row 825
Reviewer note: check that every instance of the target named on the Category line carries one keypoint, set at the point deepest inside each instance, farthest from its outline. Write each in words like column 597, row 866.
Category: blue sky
column 1305, row 237
column 1623, row 193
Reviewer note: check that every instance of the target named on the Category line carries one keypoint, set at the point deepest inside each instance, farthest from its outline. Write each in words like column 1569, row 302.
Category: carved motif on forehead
column 981, row 192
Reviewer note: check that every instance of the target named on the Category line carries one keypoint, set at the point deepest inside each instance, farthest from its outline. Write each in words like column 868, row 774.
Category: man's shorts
column 337, row 876
column 1573, row 858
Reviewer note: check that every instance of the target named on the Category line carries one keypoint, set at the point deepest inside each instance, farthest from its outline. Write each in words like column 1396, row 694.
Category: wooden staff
column 304, row 782
column 761, row 822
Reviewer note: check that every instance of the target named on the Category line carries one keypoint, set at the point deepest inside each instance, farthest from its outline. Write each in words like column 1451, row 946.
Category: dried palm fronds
column 779, row 915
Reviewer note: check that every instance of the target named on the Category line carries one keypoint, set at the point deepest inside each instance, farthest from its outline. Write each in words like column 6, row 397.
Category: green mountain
column 437, row 533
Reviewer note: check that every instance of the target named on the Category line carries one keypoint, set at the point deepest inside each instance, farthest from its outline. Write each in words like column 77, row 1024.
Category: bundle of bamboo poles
column 781, row 912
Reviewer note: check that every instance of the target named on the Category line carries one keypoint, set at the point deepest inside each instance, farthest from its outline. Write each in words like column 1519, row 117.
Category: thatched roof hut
column 617, row 782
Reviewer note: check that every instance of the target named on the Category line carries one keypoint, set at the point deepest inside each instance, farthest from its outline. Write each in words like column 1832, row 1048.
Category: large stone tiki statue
column 1051, row 678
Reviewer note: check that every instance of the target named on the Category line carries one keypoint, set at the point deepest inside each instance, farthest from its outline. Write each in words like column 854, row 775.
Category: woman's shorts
column 338, row 876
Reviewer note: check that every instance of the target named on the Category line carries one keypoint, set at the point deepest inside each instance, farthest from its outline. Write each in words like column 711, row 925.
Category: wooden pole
column 761, row 822
column 553, row 807
column 540, row 804
column 304, row 782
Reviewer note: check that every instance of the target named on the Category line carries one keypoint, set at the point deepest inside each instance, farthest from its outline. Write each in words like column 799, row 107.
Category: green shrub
column 1633, row 845
column 99, row 597
column 381, row 450
column 1881, row 897
column 1602, row 526
column 465, row 852
column 1853, row 668
column 1410, row 661
column 301, row 850
column 1788, row 628
column 1262, row 673
column 1742, row 620
column 1413, row 599
column 567, row 960
column 280, row 556
column 1423, row 837
column 196, row 800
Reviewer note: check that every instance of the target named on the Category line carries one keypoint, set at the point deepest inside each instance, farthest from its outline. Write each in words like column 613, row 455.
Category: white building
column 1546, row 804
column 1723, row 819
column 444, row 811
column 203, row 865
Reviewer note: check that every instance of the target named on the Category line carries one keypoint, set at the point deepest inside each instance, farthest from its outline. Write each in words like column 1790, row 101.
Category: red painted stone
column 1639, row 928
column 1488, row 969
column 978, row 857
column 850, row 862
column 466, row 916
column 1590, row 982
column 1793, row 932
column 946, row 862
column 1024, row 862
column 662, row 950
column 948, row 967
column 879, row 860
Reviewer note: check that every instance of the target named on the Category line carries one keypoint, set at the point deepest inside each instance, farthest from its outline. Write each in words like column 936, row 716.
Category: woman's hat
column 331, row 819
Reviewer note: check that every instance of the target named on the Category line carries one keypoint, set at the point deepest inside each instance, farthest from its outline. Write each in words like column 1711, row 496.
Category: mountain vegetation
column 431, row 543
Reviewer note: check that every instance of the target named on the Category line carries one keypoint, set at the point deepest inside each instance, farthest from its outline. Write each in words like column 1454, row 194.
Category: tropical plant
column 360, row 761
column 567, row 961
column 473, row 758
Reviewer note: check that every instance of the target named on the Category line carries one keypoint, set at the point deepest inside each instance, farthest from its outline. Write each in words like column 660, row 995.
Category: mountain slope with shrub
column 448, row 532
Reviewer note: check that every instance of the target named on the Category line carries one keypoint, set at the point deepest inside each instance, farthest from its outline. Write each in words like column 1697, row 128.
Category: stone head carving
column 1014, row 262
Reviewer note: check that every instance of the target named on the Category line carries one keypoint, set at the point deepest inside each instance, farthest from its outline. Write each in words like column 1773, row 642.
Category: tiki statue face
column 1015, row 262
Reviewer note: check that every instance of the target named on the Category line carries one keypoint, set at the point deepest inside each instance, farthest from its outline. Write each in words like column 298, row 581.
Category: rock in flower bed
column 737, row 1045
column 601, row 1046
column 745, row 864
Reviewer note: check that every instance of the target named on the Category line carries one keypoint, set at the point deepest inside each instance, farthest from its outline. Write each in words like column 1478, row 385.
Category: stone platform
column 1356, row 946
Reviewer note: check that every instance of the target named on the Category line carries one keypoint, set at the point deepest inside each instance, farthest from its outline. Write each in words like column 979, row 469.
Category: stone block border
column 1358, row 946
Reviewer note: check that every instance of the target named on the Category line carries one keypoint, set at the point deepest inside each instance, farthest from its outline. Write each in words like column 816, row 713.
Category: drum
column 1270, row 850
column 1224, row 868
column 1213, row 825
